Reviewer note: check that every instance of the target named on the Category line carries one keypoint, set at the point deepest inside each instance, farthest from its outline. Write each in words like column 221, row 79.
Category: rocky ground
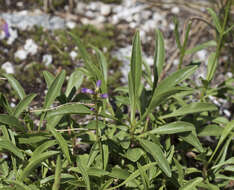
column 38, row 38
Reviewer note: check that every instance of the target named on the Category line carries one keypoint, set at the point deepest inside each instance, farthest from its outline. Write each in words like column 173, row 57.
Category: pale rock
column 175, row 10
column 71, row 25
column 47, row 59
column 31, row 47
column 202, row 55
column 21, row 54
column 13, row 36
column 105, row 10
column 73, row 55
column 8, row 67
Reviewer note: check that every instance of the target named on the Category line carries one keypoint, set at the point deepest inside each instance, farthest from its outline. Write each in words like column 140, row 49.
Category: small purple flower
column 87, row 90
column 104, row 95
column 92, row 109
column 6, row 29
column 98, row 84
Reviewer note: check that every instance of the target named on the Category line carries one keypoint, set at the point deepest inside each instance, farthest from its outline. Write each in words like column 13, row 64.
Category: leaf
column 18, row 184
column 57, row 178
column 74, row 81
column 15, row 85
column 195, row 107
column 11, row 121
column 49, row 78
column 215, row 20
column 23, row 104
column 62, row 143
column 105, row 155
column 9, row 146
column 54, row 89
column 134, row 175
column 33, row 163
column 192, row 184
column 191, row 138
column 227, row 162
column 84, row 175
column 70, row 108
column 212, row 64
column 158, row 98
column 210, row 130
column 45, row 146
column 134, row 76
column 159, row 57
column 145, row 178
column 227, row 130
column 134, row 154
column 172, row 128
column 175, row 78
column 157, row 153
column 199, row 47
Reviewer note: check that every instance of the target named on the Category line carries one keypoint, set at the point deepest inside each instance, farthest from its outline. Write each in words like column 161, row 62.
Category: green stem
column 98, row 139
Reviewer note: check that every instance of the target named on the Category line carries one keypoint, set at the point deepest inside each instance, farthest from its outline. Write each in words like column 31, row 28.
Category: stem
column 98, row 139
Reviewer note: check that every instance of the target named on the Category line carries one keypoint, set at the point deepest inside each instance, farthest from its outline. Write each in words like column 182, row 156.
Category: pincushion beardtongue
column 4, row 27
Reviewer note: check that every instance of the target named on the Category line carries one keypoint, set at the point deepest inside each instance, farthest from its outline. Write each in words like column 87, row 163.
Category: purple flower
column 104, row 95
column 98, row 84
column 6, row 29
column 87, row 90
column 92, row 109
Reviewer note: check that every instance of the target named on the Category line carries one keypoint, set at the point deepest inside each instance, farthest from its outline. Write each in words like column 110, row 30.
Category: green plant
column 84, row 140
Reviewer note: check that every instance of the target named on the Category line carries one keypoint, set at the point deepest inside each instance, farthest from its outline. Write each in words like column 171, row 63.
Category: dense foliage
column 152, row 134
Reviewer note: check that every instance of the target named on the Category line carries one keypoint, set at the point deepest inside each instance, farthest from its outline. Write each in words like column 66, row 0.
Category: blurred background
column 38, row 40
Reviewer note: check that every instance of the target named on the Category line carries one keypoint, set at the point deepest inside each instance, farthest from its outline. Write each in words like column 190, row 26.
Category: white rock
column 73, row 55
column 31, row 47
column 71, row 24
column 227, row 113
column 105, row 10
column 13, row 36
column 171, row 26
column 8, row 67
column 21, row 54
column 176, row 62
column 202, row 55
column 47, row 59
column 175, row 10
column 100, row 19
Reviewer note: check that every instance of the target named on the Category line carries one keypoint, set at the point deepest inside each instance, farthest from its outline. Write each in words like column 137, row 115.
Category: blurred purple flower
column 92, row 109
column 104, row 95
column 6, row 29
column 98, row 84
column 87, row 90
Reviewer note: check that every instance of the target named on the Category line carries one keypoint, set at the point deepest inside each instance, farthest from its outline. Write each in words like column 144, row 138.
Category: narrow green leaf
column 199, row 47
column 195, row 107
column 192, row 183
column 62, row 143
column 49, row 78
column 54, row 89
column 210, row 130
column 105, row 155
column 70, row 108
column 145, row 178
column 227, row 162
column 157, row 153
column 57, row 178
column 172, row 128
column 134, row 175
column 13, row 122
column 9, row 146
column 84, row 175
column 33, row 163
column 159, row 56
column 134, row 154
column 191, row 138
column 212, row 64
column 15, row 85
column 175, row 78
column 18, row 184
column 23, row 104
column 74, row 81
column 93, row 154
column 215, row 20
column 40, row 149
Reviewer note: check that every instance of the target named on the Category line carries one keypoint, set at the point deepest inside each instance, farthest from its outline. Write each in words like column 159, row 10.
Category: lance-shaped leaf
column 15, row 85
column 54, row 90
column 195, row 107
column 10, row 147
column 49, row 78
column 13, row 122
column 74, row 81
column 157, row 153
column 159, row 56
